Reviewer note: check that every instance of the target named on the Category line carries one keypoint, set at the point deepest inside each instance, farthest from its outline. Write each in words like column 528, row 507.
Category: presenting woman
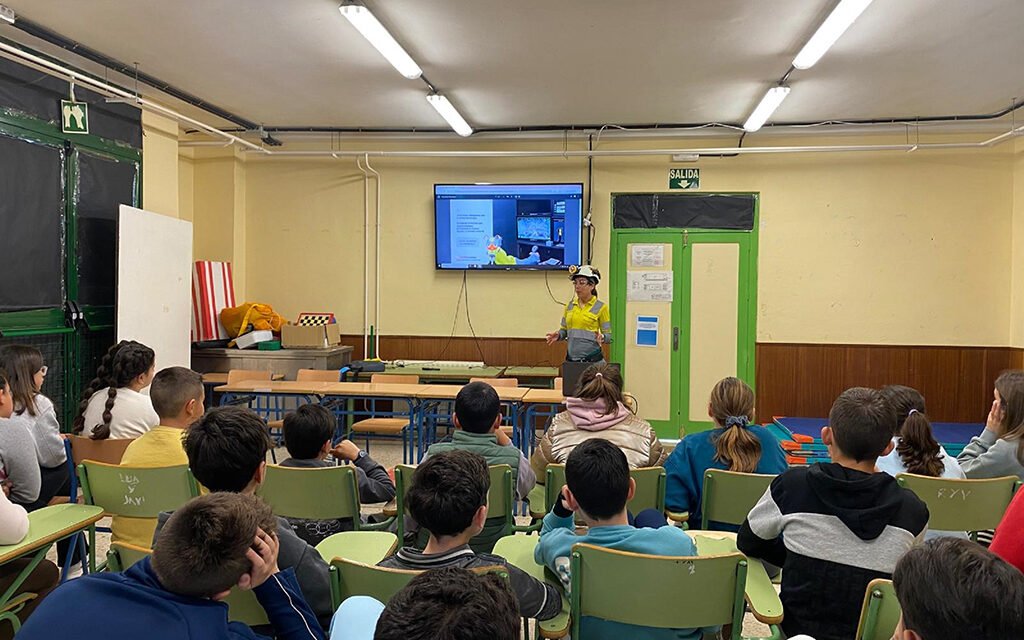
column 586, row 323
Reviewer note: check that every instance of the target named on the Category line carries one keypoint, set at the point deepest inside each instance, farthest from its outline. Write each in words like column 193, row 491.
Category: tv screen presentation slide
column 508, row 226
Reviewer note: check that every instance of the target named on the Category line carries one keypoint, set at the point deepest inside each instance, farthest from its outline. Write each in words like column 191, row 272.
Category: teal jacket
column 486, row 444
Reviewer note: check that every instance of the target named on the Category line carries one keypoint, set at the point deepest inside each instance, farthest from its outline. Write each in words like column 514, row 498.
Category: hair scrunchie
column 737, row 421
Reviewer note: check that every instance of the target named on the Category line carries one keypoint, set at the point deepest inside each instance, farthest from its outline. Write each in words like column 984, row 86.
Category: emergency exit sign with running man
column 684, row 178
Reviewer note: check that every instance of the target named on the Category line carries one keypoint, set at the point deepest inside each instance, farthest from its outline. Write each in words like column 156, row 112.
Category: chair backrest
column 668, row 592
column 880, row 613
column 499, row 505
column 110, row 450
column 557, row 384
column 241, row 375
column 317, row 375
column 122, row 555
column 136, row 492
column 353, row 578
column 962, row 505
column 728, row 496
column 313, row 494
column 395, row 378
column 498, row 382
column 242, row 605
column 350, row 578
column 649, row 494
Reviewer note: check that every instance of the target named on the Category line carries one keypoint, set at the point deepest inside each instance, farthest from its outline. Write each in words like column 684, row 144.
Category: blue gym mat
column 951, row 433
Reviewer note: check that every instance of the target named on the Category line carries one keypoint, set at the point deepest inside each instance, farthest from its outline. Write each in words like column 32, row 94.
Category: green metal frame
column 682, row 241
column 52, row 321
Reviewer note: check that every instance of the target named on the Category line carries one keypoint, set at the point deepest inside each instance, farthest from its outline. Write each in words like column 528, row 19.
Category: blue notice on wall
column 647, row 331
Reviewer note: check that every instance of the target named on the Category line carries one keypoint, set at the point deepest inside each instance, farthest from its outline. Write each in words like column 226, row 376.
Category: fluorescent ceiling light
column 371, row 28
column 448, row 112
column 769, row 103
column 834, row 26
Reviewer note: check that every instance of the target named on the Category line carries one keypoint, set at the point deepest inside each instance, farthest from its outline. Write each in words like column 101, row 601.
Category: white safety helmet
column 585, row 271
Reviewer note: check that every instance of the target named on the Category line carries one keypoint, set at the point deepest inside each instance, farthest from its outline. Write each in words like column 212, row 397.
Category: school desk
column 46, row 526
column 761, row 594
column 543, row 377
column 430, row 373
column 539, row 402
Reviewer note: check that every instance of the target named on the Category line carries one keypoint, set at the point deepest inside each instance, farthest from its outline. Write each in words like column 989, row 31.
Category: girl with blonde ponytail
column 734, row 444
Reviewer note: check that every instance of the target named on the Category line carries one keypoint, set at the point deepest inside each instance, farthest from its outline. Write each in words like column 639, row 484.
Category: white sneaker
column 75, row 571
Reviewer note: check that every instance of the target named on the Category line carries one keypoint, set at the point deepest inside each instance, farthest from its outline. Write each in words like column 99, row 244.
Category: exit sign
column 684, row 178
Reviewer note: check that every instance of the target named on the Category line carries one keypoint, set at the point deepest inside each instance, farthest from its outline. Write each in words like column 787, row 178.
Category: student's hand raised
column 263, row 556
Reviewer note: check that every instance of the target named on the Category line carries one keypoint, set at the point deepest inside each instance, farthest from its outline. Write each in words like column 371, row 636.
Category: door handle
column 675, row 338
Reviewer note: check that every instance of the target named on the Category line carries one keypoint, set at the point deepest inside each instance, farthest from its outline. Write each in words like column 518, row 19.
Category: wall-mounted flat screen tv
column 508, row 227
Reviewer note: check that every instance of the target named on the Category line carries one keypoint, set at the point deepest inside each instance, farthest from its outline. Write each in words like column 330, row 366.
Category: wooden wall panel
column 804, row 379
column 792, row 379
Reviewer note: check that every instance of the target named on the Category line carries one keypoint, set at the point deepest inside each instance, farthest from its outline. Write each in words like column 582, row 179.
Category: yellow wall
column 1017, row 268
column 186, row 184
column 887, row 248
column 160, row 180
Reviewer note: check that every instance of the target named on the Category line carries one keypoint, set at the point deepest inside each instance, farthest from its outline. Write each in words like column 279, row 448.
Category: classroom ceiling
column 539, row 62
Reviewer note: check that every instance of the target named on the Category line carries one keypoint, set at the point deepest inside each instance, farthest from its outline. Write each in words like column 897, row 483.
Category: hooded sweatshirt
column 833, row 530
column 133, row 604
column 585, row 419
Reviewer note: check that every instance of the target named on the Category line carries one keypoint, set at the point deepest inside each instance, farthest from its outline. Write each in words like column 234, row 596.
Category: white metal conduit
column 60, row 70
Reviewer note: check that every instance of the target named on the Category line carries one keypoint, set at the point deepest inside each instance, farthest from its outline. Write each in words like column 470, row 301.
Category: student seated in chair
column 448, row 498
column 953, row 589
column 178, row 398
column 211, row 545
column 227, row 450
column 598, row 486
column 478, row 429
column 307, row 435
column 836, row 526
column 442, row 603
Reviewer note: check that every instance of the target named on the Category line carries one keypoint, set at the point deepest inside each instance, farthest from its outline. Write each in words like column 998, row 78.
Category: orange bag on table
column 262, row 317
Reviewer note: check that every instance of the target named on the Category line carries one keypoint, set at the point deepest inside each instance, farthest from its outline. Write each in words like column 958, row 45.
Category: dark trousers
column 56, row 481
column 42, row 580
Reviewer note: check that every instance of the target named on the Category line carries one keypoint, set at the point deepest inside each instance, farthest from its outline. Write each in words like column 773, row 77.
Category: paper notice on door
column 647, row 331
column 649, row 286
column 647, row 255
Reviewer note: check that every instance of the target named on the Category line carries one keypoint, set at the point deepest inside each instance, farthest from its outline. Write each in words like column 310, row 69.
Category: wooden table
column 284, row 361
column 45, row 527
column 434, row 373
column 531, row 376
column 211, row 380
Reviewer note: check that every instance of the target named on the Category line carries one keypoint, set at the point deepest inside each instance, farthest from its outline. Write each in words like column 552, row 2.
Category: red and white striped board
column 213, row 289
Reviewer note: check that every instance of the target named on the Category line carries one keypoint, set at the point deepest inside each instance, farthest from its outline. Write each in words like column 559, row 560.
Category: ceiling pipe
column 104, row 87
column 60, row 70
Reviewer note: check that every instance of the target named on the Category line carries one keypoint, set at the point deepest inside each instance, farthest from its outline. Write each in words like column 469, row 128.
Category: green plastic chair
column 242, row 605
column 328, row 493
column 962, row 505
column 350, row 578
column 135, row 492
column 369, row 547
column 880, row 613
column 500, row 521
column 122, row 555
column 728, row 496
column 649, row 494
column 667, row 592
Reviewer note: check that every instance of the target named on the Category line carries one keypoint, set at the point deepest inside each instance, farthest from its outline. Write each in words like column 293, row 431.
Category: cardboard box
column 294, row 336
column 253, row 338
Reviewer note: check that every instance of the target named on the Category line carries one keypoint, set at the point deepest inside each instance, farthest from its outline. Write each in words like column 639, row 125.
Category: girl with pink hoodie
column 598, row 412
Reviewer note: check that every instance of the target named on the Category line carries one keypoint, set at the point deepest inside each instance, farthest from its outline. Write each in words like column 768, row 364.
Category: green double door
column 684, row 312
column 61, row 195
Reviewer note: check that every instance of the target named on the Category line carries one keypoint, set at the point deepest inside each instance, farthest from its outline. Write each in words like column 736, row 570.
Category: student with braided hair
column 114, row 406
column 734, row 444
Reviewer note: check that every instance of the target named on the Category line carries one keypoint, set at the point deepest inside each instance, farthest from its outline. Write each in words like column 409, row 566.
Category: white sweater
column 131, row 416
column 13, row 521
column 46, row 430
